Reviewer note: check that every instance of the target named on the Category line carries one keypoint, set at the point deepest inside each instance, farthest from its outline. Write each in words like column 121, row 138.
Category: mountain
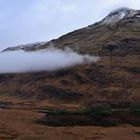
column 115, row 78
column 105, row 93
column 112, row 28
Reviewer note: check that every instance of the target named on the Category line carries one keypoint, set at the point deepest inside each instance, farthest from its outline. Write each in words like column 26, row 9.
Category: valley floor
column 18, row 123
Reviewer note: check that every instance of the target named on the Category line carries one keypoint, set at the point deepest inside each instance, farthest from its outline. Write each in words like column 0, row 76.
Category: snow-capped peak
column 120, row 14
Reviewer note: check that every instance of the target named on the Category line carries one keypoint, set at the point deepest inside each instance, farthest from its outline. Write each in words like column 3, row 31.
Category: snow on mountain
column 26, row 47
column 119, row 14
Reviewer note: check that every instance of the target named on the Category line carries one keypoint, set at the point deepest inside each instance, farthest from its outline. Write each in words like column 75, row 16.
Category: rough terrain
column 114, row 79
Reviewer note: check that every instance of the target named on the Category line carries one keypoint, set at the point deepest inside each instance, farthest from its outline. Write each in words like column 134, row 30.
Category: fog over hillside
column 46, row 60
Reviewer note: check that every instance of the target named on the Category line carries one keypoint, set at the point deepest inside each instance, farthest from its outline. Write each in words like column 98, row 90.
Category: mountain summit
column 120, row 14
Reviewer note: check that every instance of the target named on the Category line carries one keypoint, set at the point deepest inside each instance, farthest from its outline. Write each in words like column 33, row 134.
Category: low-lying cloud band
column 46, row 60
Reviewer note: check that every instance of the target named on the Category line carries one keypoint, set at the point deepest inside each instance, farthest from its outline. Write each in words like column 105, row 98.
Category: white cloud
column 47, row 60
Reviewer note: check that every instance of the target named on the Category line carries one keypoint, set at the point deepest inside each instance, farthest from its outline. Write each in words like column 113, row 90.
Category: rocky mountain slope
column 115, row 78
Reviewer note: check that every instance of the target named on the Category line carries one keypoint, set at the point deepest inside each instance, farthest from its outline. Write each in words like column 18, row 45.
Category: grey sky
column 27, row 21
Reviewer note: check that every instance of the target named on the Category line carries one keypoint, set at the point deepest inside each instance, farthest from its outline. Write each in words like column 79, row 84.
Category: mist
column 47, row 60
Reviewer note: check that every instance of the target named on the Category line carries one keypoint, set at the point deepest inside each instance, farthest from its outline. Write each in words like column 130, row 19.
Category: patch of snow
column 26, row 46
column 119, row 14
column 37, row 44
column 114, row 18
column 138, row 16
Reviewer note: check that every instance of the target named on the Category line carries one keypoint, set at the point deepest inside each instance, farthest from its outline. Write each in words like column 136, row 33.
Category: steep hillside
column 115, row 78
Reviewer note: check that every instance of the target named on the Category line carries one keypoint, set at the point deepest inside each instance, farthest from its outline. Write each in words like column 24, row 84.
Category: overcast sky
column 27, row 21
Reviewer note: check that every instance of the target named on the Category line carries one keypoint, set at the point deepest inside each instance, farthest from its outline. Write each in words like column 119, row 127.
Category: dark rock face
column 55, row 93
column 123, row 47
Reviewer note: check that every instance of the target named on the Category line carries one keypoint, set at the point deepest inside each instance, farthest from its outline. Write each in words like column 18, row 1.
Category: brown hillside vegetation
column 114, row 80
